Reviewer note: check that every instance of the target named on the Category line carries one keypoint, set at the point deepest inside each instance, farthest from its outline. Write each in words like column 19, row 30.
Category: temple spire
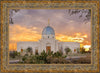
column 48, row 22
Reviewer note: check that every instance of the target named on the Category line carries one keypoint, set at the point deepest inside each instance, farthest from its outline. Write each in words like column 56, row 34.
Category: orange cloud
column 77, row 34
column 85, row 36
column 12, row 46
column 19, row 33
column 77, row 37
column 81, row 35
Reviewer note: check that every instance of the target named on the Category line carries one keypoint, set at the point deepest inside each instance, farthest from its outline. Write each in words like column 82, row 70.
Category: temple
column 48, row 43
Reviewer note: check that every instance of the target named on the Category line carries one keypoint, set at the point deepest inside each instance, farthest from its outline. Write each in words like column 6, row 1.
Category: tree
column 82, row 12
column 67, row 50
column 82, row 50
column 29, row 50
column 78, row 51
column 11, row 15
column 24, row 58
column 13, row 54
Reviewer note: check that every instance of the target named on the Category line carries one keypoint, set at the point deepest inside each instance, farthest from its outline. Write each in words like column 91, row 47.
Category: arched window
column 74, row 50
column 36, row 51
column 21, row 50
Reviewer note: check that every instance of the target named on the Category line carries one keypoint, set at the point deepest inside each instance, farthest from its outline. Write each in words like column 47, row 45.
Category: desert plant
column 57, row 54
column 45, row 58
column 24, row 58
column 55, row 60
column 13, row 54
column 18, row 53
column 49, row 59
column 50, row 53
column 26, row 55
column 64, row 56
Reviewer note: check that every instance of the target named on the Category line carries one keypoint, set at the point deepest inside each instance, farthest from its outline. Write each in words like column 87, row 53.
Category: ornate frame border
column 6, row 5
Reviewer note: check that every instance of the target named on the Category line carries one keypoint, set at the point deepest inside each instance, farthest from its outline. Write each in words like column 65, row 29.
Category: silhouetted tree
column 82, row 50
column 11, row 15
column 13, row 54
column 81, row 12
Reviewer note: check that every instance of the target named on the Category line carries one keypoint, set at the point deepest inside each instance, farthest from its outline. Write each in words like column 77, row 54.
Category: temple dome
column 48, row 31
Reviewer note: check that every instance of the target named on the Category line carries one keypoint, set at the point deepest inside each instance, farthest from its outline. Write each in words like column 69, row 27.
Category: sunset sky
column 28, row 26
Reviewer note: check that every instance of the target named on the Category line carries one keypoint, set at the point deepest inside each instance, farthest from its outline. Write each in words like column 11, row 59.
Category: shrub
column 59, row 60
column 44, row 57
column 49, row 59
column 55, row 60
column 29, row 50
column 57, row 54
column 64, row 56
column 50, row 52
column 26, row 55
column 83, row 50
column 24, row 58
column 67, row 50
column 31, row 60
column 13, row 54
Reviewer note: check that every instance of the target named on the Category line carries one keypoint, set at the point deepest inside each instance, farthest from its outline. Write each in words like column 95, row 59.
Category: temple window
column 74, row 50
column 21, row 50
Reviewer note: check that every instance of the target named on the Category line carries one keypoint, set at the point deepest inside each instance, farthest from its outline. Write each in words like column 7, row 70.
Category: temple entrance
column 36, row 51
column 48, row 48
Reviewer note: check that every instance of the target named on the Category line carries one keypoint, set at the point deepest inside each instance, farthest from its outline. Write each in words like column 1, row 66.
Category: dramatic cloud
column 20, row 33
column 77, row 37
column 28, row 26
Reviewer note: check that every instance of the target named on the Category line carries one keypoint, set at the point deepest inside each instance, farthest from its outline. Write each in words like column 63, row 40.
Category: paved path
column 13, row 61
column 75, row 57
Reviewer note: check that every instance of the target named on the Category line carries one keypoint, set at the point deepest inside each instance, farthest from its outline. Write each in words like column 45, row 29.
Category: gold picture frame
column 6, row 5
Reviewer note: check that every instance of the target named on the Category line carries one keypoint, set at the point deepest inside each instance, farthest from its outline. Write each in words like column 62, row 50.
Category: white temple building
column 48, row 42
